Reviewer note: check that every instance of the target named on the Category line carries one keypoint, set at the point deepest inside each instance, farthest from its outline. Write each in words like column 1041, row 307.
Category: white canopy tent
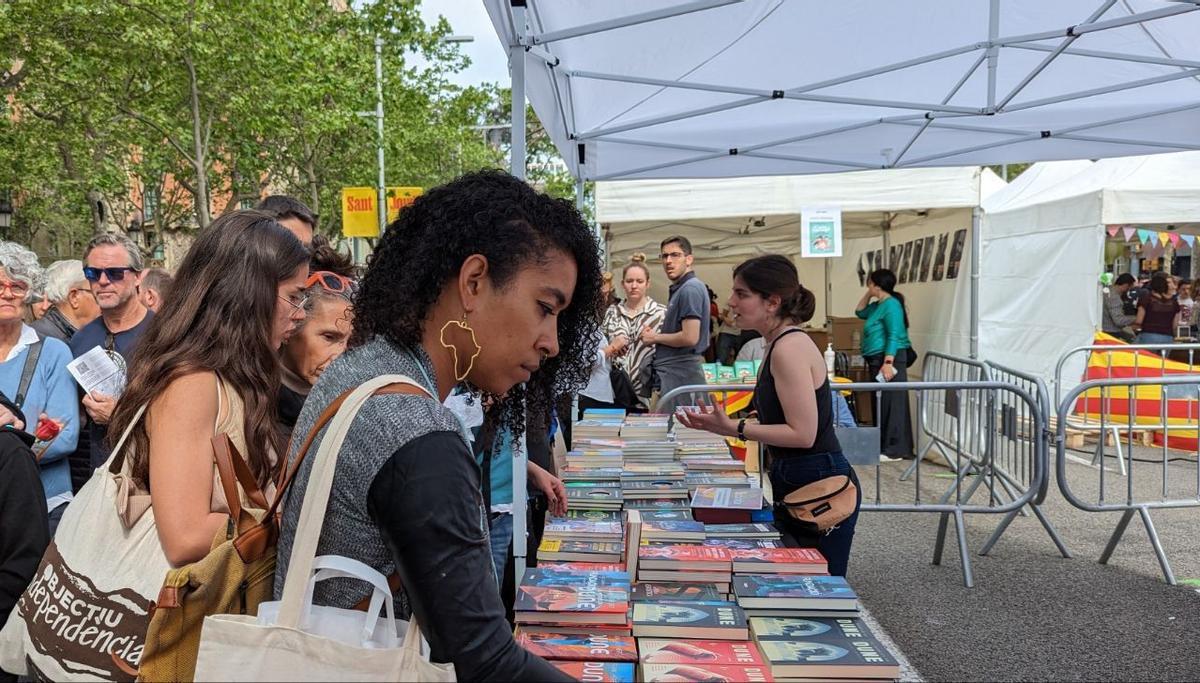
column 1043, row 252
column 728, row 88
column 731, row 219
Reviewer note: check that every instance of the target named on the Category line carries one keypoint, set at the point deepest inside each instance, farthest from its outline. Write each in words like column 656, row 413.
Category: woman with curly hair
column 482, row 282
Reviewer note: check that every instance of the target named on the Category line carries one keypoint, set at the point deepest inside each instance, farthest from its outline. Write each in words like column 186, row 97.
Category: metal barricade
column 1108, row 353
column 976, row 404
column 1182, row 392
column 944, row 421
column 1017, row 424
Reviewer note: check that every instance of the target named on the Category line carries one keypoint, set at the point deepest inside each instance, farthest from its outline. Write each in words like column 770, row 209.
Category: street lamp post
column 6, row 213
column 381, row 187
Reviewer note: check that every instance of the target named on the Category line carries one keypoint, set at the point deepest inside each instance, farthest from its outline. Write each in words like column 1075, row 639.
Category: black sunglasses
column 113, row 274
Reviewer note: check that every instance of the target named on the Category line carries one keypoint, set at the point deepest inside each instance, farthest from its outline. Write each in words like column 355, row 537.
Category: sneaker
column 888, row 458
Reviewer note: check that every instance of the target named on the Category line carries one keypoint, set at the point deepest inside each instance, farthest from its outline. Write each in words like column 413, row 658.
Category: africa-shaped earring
column 462, row 324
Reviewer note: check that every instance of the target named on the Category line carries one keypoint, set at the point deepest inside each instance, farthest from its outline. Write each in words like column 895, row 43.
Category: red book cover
column 652, row 673
column 718, row 516
column 726, row 652
column 684, row 553
column 582, row 566
column 768, row 557
column 591, row 647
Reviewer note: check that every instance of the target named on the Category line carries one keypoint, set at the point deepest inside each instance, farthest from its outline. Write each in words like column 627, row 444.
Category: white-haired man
column 72, row 304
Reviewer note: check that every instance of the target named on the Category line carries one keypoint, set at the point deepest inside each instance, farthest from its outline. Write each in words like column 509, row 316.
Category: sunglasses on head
column 331, row 282
column 113, row 274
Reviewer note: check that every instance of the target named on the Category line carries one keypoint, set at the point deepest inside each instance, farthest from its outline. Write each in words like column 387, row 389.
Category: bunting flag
column 1152, row 251
column 1188, row 239
column 1113, row 229
column 1144, row 235
column 1129, row 230
column 1163, row 238
column 1174, row 239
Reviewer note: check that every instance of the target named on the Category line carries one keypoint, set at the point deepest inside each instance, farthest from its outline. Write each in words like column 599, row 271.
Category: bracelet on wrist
column 741, row 429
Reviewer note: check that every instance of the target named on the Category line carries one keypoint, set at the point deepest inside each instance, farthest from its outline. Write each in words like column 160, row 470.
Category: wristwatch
column 741, row 433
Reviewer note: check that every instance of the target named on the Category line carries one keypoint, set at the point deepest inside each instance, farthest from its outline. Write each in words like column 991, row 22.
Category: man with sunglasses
column 686, row 326
column 112, row 265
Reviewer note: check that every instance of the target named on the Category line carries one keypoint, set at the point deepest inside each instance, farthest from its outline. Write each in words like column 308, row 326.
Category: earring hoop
column 462, row 325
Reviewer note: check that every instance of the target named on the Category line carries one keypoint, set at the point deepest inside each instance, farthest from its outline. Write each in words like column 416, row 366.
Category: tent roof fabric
column 864, row 191
column 728, row 88
column 1162, row 188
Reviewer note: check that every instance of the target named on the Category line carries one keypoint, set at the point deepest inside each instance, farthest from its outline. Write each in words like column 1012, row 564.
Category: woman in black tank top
column 793, row 399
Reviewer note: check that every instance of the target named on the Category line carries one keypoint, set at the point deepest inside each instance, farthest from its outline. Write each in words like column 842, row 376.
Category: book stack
column 685, row 564
column 565, row 601
column 583, row 473
column 654, row 489
column 648, row 427
column 652, row 471
column 660, row 504
column 822, row 647
column 742, row 536
column 747, row 561
column 604, row 414
column 585, row 656
column 723, row 464
column 581, row 459
column 704, row 660
column 725, row 505
column 582, row 540
column 594, row 495
column 730, row 479
column 600, row 427
column 795, row 595
column 649, row 451
column 671, row 528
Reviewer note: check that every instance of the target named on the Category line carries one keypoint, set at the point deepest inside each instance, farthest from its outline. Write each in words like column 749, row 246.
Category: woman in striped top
column 623, row 323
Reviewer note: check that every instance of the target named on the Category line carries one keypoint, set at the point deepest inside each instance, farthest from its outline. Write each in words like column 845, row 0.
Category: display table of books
column 667, row 568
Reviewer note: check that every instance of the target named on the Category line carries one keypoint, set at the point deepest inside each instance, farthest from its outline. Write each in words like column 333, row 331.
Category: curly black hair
column 493, row 214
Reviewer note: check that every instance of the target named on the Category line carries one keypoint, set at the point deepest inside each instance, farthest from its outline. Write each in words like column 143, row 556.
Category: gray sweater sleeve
column 427, row 504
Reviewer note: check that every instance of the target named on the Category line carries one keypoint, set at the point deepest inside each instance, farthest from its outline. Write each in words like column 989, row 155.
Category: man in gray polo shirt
column 686, row 326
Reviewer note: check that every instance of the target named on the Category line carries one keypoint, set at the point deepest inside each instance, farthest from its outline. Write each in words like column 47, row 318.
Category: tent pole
column 828, row 292
column 976, row 256
column 516, row 63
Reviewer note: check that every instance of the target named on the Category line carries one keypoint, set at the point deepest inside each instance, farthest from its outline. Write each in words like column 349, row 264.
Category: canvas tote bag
column 239, row 648
column 90, row 602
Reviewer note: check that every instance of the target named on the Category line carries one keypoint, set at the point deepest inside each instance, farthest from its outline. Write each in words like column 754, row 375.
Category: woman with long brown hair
column 210, row 364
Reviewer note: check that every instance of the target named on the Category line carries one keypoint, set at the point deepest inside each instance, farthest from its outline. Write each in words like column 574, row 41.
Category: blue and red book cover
column 550, row 590
column 601, row 672
column 590, row 647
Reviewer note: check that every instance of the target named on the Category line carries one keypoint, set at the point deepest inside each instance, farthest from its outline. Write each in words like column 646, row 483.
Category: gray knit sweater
column 385, row 424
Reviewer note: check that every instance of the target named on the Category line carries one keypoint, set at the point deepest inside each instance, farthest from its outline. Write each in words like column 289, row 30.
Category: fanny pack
column 823, row 503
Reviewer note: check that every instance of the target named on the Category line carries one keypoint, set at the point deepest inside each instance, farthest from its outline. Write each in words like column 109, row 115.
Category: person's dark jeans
column 789, row 474
column 726, row 348
column 55, row 517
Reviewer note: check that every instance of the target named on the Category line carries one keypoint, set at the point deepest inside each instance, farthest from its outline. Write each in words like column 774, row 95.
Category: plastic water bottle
column 830, row 356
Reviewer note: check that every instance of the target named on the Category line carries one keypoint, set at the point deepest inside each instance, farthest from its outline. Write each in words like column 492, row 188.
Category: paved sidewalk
column 1032, row 614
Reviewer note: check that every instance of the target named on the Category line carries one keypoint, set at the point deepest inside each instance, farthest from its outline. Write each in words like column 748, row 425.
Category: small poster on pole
column 820, row 231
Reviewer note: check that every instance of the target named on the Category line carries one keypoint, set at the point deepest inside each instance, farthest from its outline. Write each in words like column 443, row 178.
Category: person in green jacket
column 886, row 349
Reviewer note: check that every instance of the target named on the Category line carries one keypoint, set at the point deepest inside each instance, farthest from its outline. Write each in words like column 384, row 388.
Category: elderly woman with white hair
column 34, row 376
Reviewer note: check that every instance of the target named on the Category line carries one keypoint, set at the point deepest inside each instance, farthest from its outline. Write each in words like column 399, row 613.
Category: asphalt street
column 1032, row 614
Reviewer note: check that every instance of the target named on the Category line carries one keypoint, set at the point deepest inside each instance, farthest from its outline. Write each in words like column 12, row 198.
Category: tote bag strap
column 316, row 496
column 117, row 460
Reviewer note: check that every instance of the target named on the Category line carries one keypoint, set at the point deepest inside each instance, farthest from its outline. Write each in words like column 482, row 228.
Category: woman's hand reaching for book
column 551, row 486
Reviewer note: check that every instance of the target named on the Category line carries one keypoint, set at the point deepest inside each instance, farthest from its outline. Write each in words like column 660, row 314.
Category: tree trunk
column 199, row 163
column 99, row 209
column 310, row 175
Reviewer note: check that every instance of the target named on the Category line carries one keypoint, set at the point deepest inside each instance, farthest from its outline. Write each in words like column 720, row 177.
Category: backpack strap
column 31, row 360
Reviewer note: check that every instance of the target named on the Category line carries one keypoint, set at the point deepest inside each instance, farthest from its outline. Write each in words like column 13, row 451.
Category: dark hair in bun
column 775, row 275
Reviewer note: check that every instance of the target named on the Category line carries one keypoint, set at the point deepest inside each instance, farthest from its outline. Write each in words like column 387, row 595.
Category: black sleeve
column 24, row 530
column 427, row 505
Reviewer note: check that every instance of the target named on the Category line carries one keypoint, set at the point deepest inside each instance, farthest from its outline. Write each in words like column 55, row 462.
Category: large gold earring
column 462, row 324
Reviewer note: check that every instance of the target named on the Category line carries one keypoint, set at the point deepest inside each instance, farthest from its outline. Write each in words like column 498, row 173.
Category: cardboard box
column 846, row 333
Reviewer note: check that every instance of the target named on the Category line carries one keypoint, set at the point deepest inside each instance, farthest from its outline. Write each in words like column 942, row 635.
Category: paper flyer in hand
column 99, row 371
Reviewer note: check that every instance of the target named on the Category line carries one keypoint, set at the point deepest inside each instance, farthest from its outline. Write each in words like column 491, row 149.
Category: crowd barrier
column 969, row 432
column 1168, row 405
column 1118, row 361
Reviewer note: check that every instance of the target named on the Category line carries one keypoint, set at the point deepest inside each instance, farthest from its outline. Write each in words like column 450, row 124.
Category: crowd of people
column 488, row 295
column 1154, row 309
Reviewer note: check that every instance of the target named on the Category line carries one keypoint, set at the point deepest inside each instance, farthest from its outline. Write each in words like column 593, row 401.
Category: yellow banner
column 400, row 197
column 359, row 217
